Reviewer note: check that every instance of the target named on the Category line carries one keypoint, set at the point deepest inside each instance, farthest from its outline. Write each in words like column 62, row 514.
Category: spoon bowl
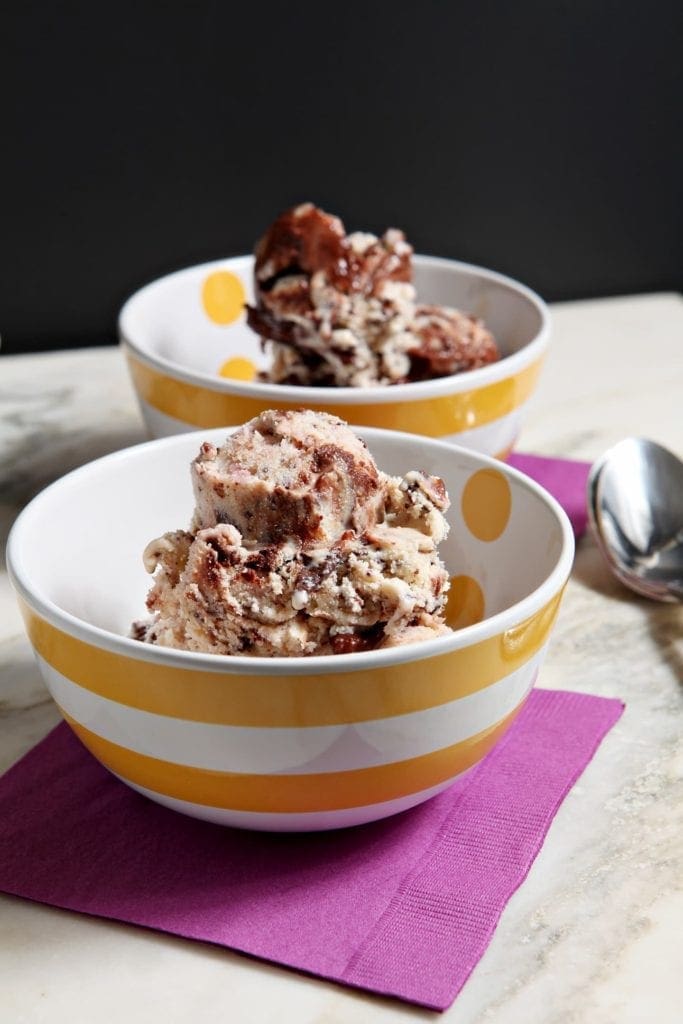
column 635, row 503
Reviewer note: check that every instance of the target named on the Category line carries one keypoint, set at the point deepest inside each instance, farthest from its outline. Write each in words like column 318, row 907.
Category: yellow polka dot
column 223, row 297
column 465, row 602
column 486, row 504
column 238, row 368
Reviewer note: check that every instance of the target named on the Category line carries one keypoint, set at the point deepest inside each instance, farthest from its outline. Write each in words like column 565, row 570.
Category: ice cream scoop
column 288, row 476
column 340, row 310
column 299, row 545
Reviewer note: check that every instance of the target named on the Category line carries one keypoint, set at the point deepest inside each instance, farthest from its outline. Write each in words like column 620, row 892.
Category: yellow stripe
column 293, row 700
column 505, row 454
column 433, row 417
column 329, row 791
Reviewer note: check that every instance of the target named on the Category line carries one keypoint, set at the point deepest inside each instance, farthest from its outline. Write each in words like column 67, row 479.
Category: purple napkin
column 565, row 479
column 403, row 907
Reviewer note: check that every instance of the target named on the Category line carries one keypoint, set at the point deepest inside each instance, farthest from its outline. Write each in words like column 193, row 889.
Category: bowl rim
column 329, row 664
column 468, row 380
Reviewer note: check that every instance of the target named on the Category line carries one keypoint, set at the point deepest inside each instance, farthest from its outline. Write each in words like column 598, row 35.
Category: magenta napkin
column 565, row 479
column 403, row 907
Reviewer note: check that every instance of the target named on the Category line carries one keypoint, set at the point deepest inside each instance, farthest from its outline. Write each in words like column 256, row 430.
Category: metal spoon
column 635, row 503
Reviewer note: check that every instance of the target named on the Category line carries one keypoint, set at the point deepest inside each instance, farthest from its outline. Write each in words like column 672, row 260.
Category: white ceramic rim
column 318, row 664
column 454, row 384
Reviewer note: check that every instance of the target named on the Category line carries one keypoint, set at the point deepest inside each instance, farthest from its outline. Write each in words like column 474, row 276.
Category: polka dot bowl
column 193, row 358
column 286, row 744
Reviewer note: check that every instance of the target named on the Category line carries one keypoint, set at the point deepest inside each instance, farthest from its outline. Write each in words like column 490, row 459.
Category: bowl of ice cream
column 349, row 324
column 386, row 603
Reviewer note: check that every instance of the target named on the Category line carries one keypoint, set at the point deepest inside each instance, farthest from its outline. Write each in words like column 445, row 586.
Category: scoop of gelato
column 340, row 310
column 288, row 476
column 299, row 545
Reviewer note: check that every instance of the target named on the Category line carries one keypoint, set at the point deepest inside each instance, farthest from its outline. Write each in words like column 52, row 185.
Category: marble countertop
column 595, row 932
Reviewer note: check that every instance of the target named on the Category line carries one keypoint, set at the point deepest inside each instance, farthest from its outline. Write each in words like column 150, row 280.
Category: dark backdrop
column 541, row 139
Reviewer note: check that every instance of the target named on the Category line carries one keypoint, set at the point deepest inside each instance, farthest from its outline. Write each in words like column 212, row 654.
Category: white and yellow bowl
column 286, row 744
column 193, row 358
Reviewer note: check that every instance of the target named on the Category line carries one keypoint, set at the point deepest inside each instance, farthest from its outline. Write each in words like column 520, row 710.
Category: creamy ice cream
column 299, row 545
column 340, row 310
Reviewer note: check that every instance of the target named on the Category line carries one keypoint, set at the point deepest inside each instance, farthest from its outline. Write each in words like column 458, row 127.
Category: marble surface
column 595, row 932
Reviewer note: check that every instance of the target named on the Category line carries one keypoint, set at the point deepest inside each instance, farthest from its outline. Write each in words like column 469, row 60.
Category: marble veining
column 594, row 934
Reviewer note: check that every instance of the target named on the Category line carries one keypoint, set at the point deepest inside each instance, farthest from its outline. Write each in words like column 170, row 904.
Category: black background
column 541, row 139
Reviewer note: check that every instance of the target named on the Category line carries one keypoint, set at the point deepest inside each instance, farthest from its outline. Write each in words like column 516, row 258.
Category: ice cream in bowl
column 349, row 323
column 293, row 625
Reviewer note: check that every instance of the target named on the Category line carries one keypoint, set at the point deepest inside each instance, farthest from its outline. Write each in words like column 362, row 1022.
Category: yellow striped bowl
column 299, row 743
column 192, row 358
